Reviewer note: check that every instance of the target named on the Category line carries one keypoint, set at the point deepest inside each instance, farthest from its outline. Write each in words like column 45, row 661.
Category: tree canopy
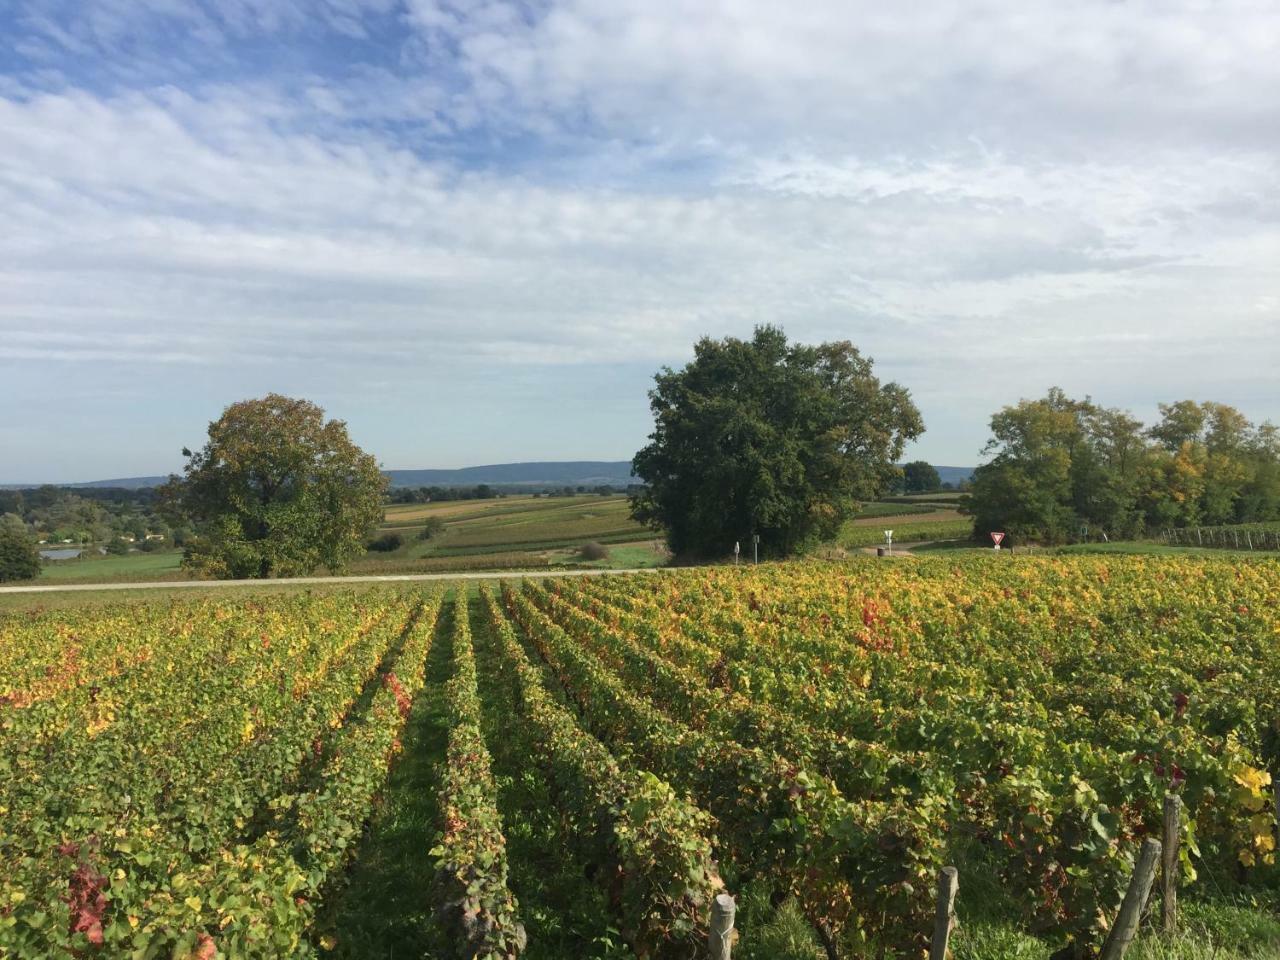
column 920, row 477
column 1064, row 466
column 19, row 555
column 766, row 437
column 276, row 491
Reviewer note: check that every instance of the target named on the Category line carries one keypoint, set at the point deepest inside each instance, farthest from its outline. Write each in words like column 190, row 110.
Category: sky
column 474, row 230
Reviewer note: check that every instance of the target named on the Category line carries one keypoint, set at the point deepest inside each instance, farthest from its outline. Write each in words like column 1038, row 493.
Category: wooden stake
column 1125, row 929
column 1169, row 862
column 721, row 937
column 944, row 920
column 1275, row 786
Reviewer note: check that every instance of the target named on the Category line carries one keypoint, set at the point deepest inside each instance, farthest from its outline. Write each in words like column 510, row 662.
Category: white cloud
column 988, row 198
column 875, row 74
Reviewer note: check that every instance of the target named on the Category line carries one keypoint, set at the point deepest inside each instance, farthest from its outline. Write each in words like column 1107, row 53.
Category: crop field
column 526, row 533
column 870, row 511
column 160, row 565
column 939, row 525
column 511, row 533
column 507, row 533
column 525, row 521
column 587, row 763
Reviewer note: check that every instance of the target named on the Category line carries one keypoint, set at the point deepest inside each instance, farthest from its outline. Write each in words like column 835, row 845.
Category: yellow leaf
column 1252, row 779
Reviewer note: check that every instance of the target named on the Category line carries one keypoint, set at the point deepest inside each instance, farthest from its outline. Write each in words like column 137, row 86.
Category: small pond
column 69, row 553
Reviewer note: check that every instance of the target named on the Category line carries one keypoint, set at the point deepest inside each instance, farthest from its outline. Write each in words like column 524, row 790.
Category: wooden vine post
column 945, row 919
column 1125, row 929
column 1275, row 786
column 1169, row 862
column 721, row 937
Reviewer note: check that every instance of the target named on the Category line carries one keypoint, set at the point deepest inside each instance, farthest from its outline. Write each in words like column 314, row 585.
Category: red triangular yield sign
column 997, row 537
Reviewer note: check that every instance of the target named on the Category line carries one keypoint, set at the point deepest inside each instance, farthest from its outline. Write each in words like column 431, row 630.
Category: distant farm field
column 939, row 525
column 511, row 532
column 506, row 533
column 575, row 768
column 529, row 533
column 160, row 565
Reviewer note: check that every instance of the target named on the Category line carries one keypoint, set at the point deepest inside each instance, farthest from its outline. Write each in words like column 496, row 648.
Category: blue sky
column 474, row 230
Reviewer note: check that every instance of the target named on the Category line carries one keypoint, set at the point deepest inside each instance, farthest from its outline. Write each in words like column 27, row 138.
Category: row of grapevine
column 261, row 897
column 651, row 848
column 936, row 780
column 992, row 671
column 858, row 767
column 858, row 868
column 481, row 914
column 1252, row 536
column 188, row 780
column 1080, row 667
column 170, row 751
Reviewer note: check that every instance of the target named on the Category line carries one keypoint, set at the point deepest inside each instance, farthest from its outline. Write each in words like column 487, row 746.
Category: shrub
column 387, row 542
column 594, row 551
column 434, row 527
column 19, row 556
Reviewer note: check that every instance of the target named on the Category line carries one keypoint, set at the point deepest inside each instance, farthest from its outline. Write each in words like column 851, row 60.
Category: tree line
column 1064, row 469
column 487, row 491
column 113, row 518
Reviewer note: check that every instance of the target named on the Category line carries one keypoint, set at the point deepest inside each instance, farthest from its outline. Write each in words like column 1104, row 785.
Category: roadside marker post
column 737, row 549
column 755, row 548
column 888, row 540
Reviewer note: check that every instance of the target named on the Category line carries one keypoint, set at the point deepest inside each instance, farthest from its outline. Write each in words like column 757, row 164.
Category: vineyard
column 819, row 740
column 185, row 781
column 1244, row 536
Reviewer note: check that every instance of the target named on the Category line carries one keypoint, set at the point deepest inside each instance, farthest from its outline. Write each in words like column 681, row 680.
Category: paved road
column 398, row 578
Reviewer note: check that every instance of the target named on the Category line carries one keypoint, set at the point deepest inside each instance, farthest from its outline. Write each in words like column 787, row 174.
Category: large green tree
column 919, row 476
column 767, row 437
column 1062, row 466
column 19, row 555
column 276, row 491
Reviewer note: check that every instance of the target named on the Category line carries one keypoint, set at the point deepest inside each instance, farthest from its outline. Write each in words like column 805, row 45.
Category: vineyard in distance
column 580, row 767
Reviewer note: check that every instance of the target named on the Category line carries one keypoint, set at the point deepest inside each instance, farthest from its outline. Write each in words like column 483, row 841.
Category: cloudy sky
column 474, row 228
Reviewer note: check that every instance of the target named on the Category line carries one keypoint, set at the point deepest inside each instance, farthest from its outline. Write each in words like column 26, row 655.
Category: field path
column 285, row 581
column 901, row 549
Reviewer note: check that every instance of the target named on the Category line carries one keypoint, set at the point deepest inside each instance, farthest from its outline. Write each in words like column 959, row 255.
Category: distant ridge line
column 572, row 473
column 545, row 473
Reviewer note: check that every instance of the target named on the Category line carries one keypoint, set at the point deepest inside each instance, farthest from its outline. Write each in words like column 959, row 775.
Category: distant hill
column 571, row 473
column 127, row 483
column 124, row 483
column 955, row 475
column 559, row 473
column 588, row 473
